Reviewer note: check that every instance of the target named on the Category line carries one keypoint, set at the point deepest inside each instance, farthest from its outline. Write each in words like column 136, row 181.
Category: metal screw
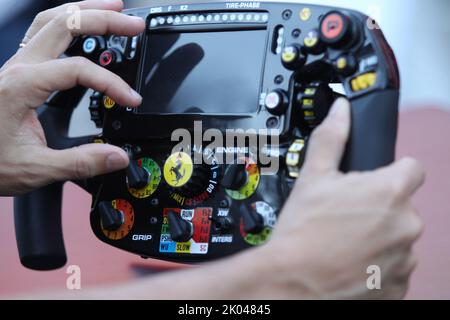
column 155, row 202
column 117, row 125
column 272, row 123
column 154, row 220
column 137, row 150
column 224, row 204
column 287, row 14
column 296, row 33
column 279, row 79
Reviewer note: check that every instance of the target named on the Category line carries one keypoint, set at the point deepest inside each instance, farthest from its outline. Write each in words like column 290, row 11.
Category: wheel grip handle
column 37, row 217
column 374, row 132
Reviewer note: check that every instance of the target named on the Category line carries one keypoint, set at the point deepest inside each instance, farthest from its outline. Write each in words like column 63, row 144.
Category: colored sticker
column 154, row 172
column 270, row 219
column 128, row 214
column 199, row 244
column 305, row 14
column 108, row 102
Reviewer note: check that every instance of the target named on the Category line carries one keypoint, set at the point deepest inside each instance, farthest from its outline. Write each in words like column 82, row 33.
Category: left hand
column 34, row 73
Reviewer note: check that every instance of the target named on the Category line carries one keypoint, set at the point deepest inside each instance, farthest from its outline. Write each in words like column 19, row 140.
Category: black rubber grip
column 37, row 215
column 374, row 132
column 37, row 218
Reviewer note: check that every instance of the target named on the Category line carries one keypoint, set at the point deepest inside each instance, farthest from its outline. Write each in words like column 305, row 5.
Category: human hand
column 336, row 225
column 34, row 73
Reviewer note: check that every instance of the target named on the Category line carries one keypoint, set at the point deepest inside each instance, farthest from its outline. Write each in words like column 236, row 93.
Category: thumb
column 327, row 143
column 86, row 162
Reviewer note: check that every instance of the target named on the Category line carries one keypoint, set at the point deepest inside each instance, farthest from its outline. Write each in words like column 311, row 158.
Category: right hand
column 336, row 225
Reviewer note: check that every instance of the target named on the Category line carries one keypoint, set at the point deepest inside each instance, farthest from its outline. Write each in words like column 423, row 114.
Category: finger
column 328, row 141
column 63, row 74
column 84, row 162
column 46, row 16
column 403, row 178
column 54, row 39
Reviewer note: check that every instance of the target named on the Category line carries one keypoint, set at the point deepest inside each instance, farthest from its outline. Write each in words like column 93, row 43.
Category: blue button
column 89, row 46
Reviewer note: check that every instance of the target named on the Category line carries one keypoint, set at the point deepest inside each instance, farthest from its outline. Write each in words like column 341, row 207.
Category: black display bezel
column 204, row 28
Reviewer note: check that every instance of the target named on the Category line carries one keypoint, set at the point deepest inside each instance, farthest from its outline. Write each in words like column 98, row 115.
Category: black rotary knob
column 111, row 218
column 224, row 224
column 180, row 230
column 137, row 176
column 236, row 177
column 277, row 102
column 338, row 30
column 253, row 221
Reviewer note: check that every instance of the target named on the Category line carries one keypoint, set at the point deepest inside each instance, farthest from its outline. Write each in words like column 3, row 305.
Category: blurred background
column 418, row 31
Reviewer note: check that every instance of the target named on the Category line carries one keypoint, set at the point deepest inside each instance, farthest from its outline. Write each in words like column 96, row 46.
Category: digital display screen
column 203, row 72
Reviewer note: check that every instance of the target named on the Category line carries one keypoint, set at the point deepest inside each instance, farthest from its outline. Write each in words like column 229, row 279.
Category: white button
column 217, row 17
column 273, row 100
column 249, row 17
column 169, row 20
column 201, row 18
column 194, row 19
column 186, row 19
column 161, row 21
column 89, row 45
column 153, row 22
column 257, row 17
column 177, row 19
column 209, row 17
column 265, row 17
column 225, row 17
column 241, row 17
column 233, row 17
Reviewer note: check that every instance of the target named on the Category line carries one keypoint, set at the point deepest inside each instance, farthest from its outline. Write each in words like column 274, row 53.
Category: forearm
column 250, row 275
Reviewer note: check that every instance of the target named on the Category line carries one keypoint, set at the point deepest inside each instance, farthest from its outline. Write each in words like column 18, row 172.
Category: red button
column 333, row 26
column 106, row 58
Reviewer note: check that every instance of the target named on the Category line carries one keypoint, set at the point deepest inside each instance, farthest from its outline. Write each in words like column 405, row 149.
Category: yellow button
column 364, row 81
column 108, row 102
column 310, row 91
column 293, row 159
column 308, row 102
column 178, row 169
column 309, row 113
column 297, row 146
column 341, row 63
column 310, row 42
column 289, row 55
column 305, row 14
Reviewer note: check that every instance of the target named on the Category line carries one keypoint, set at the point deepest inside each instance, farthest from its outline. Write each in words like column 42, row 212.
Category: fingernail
column 137, row 18
column 116, row 161
column 136, row 95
